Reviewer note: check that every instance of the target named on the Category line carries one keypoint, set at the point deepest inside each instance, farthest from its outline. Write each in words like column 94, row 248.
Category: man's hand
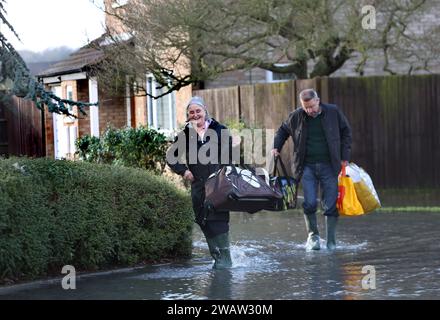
column 188, row 176
column 275, row 152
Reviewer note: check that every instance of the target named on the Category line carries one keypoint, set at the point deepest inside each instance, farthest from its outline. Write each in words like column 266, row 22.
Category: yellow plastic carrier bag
column 347, row 203
column 365, row 191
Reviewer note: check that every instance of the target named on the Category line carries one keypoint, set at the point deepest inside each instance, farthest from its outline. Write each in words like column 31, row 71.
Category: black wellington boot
column 313, row 240
column 331, row 223
column 219, row 249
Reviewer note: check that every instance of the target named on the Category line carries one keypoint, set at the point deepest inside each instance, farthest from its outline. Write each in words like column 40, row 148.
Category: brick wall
column 182, row 98
column 113, row 23
column 112, row 111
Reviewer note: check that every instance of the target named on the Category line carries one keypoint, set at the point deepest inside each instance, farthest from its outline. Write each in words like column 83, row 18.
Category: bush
column 141, row 147
column 55, row 213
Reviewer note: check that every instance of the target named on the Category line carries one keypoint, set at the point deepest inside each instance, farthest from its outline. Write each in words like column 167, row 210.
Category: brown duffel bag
column 237, row 189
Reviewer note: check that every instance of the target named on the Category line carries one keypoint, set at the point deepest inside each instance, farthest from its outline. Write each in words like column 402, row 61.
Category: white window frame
column 269, row 74
column 94, row 111
column 128, row 100
column 68, row 119
column 71, row 130
column 58, row 153
column 152, row 119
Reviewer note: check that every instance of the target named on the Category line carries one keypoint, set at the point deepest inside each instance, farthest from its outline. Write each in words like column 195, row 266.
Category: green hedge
column 54, row 213
column 141, row 147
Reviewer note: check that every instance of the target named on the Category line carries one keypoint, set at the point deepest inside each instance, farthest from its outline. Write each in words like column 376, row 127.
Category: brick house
column 72, row 79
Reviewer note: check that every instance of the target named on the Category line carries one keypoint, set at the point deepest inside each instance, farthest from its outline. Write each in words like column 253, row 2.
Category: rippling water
column 271, row 262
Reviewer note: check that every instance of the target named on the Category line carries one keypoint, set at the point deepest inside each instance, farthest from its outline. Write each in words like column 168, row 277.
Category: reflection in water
column 352, row 281
column 270, row 262
column 220, row 286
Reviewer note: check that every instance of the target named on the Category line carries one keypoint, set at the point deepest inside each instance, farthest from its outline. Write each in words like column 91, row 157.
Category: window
column 162, row 111
column 69, row 96
column 279, row 77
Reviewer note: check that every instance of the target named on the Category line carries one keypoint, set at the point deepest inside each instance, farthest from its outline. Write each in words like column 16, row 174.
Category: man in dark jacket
column 321, row 145
column 201, row 131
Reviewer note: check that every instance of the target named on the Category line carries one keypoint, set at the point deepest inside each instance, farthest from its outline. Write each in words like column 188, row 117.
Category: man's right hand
column 275, row 152
column 188, row 176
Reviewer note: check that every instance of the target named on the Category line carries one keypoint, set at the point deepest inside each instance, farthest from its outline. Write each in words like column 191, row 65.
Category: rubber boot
column 219, row 250
column 331, row 222
column 312, row 231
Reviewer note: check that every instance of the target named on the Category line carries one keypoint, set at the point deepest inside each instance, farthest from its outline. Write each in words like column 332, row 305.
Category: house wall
column 182, row 98
column 113, row 24
column 140, row 113
column 112, row 111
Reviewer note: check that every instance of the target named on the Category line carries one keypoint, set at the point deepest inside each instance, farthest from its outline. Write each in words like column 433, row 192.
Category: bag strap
column 217, row 181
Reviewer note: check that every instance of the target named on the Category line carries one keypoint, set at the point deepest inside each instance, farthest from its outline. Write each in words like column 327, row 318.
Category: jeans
column 322, row 174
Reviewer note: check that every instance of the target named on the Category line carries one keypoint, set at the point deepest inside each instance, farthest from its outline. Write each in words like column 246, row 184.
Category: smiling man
column 321, row 146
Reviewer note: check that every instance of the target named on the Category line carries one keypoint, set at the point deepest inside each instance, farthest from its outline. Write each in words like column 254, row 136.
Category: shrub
column 141, row 147
column 55, row 213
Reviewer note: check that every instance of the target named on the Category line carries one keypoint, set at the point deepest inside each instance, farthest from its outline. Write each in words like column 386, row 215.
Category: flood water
column 400, row 250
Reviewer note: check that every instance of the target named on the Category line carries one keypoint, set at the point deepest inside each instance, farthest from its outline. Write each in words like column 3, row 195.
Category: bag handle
column 283, row 168
column 343, row 170
column 284, row 172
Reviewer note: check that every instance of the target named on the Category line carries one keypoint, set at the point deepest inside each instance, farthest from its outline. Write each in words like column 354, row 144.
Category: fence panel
column 20, row 128
column 395, row 120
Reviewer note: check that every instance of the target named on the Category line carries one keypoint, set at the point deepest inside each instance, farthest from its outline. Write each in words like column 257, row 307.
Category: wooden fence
column 395, row 120
column 20, row 128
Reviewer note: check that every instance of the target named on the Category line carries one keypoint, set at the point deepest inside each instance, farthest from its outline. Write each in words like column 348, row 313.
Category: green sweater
column 316, row 147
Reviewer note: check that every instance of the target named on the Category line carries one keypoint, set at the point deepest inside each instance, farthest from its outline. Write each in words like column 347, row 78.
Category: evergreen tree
column 15, row 77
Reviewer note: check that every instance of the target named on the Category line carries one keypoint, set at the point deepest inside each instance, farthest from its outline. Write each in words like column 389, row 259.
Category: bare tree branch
column 184, row 42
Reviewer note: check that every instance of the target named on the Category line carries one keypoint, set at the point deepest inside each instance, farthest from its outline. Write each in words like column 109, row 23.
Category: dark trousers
column 216, row 222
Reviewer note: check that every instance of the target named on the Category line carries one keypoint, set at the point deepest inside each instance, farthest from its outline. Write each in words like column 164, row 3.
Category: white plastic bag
column 365, row 190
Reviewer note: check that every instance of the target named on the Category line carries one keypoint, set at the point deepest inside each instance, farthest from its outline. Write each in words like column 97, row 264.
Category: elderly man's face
column 311, row 107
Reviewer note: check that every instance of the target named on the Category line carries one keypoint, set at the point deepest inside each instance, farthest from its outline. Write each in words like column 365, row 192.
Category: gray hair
column 198, row 101
column 307, row 95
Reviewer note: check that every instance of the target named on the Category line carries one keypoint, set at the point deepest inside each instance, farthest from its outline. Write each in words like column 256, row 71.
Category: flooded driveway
column 379, row 256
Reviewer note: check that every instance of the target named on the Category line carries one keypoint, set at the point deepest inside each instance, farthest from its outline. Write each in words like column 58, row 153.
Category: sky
column 44, row 24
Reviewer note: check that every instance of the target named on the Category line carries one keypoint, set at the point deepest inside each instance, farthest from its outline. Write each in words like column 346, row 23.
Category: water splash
column 247, row 255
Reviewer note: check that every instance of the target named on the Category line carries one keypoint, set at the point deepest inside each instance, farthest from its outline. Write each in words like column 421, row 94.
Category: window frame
column 152, row 105
column 270, row 74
